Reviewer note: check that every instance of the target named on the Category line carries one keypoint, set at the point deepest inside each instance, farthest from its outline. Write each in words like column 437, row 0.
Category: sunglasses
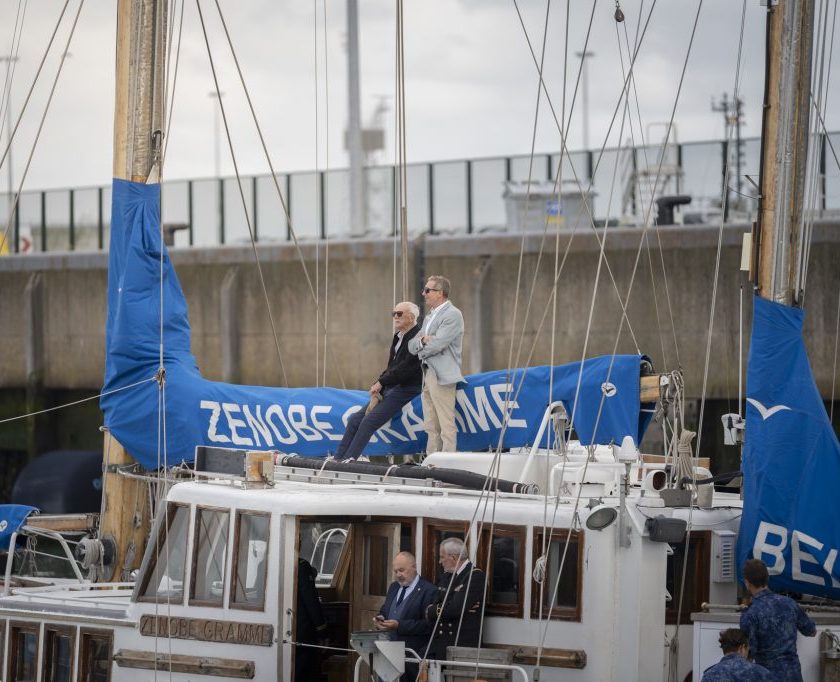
column 396, row 313
column 428, row 290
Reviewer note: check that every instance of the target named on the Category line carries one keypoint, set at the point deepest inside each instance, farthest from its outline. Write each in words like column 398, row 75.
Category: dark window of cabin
column 164, row 577
column 559, row 600
column 249, row 567
column 209, row 556
column 696, row 578
column 95, row 656
column 322, row 544
column 505, row 571
column 58, row 653
column 23, row 652
column 436, row 532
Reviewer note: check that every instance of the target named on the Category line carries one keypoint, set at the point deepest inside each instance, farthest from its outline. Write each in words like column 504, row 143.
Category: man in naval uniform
column 457, row 611
column 734, row 666
column 771, row 623
column 403, row 613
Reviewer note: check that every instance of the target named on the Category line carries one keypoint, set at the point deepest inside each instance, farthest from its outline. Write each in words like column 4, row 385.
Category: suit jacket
column 403, row 368
column 443, row 353
column 413, row 629
column 465, row 597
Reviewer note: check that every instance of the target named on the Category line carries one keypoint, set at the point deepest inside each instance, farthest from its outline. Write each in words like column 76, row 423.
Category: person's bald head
column 405, row 568
column 405, row 316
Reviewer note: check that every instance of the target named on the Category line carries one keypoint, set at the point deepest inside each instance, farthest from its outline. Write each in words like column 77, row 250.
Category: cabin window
column 566, row 601
column 249, row 568
column 164, row 577
column 209, row 556
column 95, row 655
column 505, row 576
column 58, row 653
column 321, row 544
column 23, row 652
column 435, row 533
column 696, row 578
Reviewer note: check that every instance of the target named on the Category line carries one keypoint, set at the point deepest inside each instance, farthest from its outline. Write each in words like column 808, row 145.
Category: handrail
column 31, row 530
column 455, row 664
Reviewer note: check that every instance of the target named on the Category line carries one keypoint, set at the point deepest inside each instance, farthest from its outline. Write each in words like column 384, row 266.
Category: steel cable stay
column 12, row 60
column 284, row 204
column 16, row 199
column 327, row 166
column 172, row 89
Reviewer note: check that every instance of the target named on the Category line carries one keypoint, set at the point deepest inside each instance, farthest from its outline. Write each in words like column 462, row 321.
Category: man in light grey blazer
column 438, row 345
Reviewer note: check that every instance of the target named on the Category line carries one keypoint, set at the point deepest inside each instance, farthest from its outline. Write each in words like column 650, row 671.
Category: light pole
column 9, row 60
column 584, row 92
column 217, row 153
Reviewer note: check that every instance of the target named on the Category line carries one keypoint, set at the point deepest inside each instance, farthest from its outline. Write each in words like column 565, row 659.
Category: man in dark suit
column 403, row 614
column 457, row 610
column 401, row 381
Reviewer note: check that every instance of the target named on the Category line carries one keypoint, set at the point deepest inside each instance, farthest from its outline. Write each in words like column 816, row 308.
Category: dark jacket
column 465, row 597
column 413, row 627
column 310, row 622
column 736, row 668
column 403, row 367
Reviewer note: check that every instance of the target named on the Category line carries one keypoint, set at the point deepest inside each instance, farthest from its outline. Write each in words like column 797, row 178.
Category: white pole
column 354, row 123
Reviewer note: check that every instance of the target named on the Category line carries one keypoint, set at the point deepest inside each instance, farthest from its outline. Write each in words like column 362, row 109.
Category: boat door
column 376, row 544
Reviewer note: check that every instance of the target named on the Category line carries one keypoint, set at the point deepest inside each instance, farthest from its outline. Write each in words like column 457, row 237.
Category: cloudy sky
column 471, row 85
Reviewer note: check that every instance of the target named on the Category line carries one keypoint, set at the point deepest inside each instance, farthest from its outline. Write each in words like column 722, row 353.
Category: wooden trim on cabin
column 498, row 609
column 179, row 663
column 697, row 572
column 213, row 603
column 550, row 658
column 64, row 522
column 234, row 571
column 163, row 534
column 14, row 628
column 85, row 636
column 558, row 612
column 53, row 628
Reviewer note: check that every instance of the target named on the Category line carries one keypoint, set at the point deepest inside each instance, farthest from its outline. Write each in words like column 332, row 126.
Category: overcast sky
column 471, row 85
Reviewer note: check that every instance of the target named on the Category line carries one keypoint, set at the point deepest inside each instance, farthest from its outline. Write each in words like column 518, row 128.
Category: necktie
column 402, row 595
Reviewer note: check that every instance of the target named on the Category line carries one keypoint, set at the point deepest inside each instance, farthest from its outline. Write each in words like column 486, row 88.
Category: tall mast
column 138, row 125
column 784, row 152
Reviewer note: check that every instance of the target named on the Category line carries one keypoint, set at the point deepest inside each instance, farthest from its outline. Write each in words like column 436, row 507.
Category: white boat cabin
column 216, row 595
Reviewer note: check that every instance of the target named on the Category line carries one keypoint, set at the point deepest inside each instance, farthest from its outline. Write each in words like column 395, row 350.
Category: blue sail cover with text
column 791, row 461
column 306, row 421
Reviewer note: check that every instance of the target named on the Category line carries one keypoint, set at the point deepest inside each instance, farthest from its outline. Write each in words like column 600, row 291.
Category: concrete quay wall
column 53, row 306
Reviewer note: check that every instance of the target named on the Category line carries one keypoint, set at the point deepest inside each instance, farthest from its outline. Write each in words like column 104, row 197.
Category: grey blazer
column 443, row 352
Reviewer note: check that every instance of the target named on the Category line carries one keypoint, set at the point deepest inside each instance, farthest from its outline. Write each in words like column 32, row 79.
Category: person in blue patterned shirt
column 734, row 666
column 771, row 623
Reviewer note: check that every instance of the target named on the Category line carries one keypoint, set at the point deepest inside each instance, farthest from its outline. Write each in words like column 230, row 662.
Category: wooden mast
column 777, row 242
column 138, row 125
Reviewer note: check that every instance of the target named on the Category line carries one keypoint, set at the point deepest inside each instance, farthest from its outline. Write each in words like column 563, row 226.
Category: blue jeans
column 361, row 426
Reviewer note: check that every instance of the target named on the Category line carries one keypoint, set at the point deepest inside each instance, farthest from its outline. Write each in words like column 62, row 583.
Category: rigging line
column 808, row 216
column 34, row 82
column 16, row 201
column 527, row 197
column 577, row 180
column 242, row 196
column 317, row 195
column 834, row 368
column 173, row 89
column 828, row 138
column 656, row 223
column 283, row 203
column 403, row 171
column 327, row 167
column 17, row 34
column 78, row 402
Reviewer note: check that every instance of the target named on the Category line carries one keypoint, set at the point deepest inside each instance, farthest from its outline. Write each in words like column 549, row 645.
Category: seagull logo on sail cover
column 766, row 412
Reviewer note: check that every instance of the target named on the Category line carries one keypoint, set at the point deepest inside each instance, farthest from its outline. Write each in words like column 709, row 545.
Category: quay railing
column 444, row 197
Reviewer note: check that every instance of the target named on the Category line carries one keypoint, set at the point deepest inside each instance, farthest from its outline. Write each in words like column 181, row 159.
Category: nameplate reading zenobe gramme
column 206, row 630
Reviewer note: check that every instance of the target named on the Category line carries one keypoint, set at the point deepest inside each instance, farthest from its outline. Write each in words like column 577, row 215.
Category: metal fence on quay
column 444, row 197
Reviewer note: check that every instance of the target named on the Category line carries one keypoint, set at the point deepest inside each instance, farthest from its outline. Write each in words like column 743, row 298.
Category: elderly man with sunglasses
column 398, row 384
column 438, row 345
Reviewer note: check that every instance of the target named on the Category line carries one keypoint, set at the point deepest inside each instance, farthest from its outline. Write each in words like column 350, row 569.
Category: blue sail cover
column 791, row 461
column 306, row 421
column 12, row 517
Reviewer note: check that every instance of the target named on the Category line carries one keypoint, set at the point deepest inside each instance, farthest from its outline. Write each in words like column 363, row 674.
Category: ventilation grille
column 723, row 551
